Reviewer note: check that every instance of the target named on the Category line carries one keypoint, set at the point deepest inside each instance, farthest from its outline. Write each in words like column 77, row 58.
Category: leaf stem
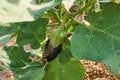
column 56, row 16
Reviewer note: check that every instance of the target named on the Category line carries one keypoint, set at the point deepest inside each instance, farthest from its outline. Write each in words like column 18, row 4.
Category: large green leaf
column 32, row 33
column 23, row 10
column 33, row 71
column 17, row 57
column 14, row 58
column 72, row 70
column 101, row 41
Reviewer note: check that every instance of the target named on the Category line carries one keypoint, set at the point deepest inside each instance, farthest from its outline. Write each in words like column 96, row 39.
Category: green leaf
column 65, row 54
column 101, row 42
column 33, row 71
column 5, row 38
column 23, row 10
column 6, row 32
column 17, row 57
column 32, row 33
column 72, row 70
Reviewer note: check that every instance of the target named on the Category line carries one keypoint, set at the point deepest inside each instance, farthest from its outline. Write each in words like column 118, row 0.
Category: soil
column 94, row 71
column 97, row 71
column 6, row 75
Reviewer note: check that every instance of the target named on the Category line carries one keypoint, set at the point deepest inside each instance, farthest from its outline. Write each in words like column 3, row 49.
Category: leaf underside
column 23, row 10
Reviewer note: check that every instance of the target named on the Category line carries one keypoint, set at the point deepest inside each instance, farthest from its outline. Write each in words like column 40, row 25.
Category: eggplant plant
column 59, row 33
